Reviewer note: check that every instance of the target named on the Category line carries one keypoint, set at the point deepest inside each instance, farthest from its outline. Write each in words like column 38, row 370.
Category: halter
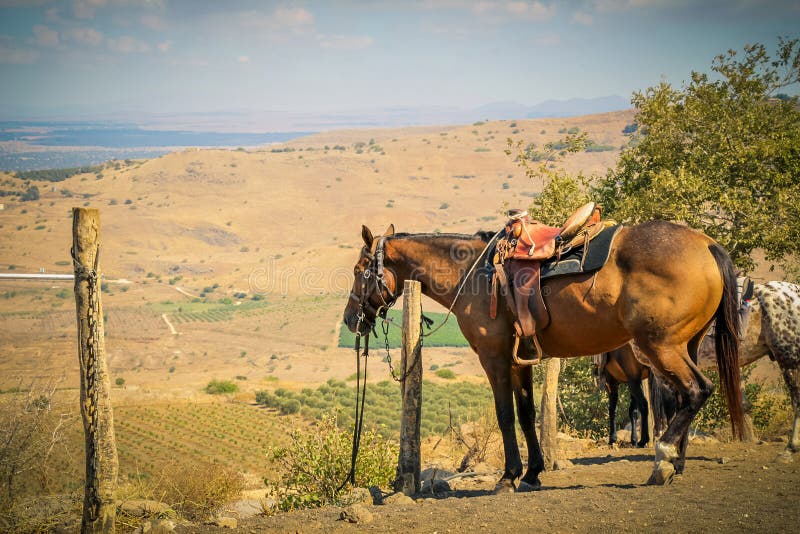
column 375, row 271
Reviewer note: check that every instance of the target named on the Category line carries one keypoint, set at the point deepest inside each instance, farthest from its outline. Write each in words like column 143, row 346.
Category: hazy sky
column 68, row 58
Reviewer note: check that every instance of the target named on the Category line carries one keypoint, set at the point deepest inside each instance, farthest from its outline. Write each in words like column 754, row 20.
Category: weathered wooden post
column 99, row 506
column 549, row 431
column 408, row 467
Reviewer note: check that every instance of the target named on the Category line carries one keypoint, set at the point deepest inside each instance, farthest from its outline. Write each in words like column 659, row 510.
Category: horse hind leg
column 522, row 378
column 792, row 378
column 693, row 389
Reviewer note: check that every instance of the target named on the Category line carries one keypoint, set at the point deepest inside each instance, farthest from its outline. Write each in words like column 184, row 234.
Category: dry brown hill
column 285, row 219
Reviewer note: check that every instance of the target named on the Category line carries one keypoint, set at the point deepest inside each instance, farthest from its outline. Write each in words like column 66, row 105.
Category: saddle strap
column 493, row 302
column 529, row 304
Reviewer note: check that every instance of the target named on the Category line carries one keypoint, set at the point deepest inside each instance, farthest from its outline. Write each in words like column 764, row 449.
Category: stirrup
column 522, row 362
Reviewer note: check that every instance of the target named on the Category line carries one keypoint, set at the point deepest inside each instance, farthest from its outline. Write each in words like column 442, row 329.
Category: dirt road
column 726, row 488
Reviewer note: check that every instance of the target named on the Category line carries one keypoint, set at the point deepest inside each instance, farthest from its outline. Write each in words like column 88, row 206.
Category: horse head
column 374, row 288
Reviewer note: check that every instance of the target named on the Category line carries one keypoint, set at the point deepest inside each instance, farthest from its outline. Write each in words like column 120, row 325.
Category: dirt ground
column 726, row 488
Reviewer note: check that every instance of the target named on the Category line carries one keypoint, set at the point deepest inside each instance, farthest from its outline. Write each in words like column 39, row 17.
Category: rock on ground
column 398, row 498
column 225, row 522
column 145, row 508
column 160, row 526
column 356, row 513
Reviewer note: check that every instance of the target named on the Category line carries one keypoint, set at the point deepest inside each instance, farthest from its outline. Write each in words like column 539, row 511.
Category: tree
column 561, row 192
column 721, row 154
column 32, row 193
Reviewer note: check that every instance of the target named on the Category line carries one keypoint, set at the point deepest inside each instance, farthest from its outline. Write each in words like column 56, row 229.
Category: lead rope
column 88, row 363
column 361, row 394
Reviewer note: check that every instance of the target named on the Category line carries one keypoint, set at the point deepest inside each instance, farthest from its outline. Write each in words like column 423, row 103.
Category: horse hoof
column 662, row 474
column 641, row 445
column 504, row 486
column 785, row 457
column 525, row 487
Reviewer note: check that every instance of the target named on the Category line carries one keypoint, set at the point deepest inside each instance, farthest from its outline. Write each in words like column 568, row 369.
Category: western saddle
column 521, row 250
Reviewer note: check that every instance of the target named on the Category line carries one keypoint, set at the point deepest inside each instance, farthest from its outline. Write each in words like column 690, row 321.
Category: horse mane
column 483, row 235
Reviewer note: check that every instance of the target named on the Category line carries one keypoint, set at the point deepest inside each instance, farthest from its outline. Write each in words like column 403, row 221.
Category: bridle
column 373, row 281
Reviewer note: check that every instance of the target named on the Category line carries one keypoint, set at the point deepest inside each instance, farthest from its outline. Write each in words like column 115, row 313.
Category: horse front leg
column 613, row 398
column 499, row 374
column 633, row 415
column 639, row 401
column 522, row 379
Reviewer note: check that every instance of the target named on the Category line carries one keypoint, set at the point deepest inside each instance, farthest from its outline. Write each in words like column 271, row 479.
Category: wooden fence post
column 549, row 441
column 408, row 467
column 102, row 465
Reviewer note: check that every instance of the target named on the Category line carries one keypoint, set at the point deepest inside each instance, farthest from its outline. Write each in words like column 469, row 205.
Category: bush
column 32, row 193
column 318, row 459
column 447, row 374
column 216, row 387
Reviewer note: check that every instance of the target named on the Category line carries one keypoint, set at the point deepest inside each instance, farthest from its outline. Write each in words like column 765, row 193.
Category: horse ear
column 366, row 235
column 390, row 230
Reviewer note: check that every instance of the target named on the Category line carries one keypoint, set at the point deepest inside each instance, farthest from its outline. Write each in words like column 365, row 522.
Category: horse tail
column 726, row 338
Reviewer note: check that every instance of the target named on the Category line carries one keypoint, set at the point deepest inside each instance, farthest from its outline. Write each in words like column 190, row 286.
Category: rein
column 361, row 395
column 461, row 285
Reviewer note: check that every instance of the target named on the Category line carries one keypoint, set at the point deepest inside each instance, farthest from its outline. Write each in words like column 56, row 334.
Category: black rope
column 358, row 420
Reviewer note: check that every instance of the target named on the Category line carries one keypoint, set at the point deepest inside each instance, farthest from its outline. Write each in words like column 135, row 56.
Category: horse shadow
column 601, row 460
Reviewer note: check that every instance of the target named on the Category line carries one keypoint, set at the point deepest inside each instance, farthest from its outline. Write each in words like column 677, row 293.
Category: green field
column 447, row 336
column 441, row 403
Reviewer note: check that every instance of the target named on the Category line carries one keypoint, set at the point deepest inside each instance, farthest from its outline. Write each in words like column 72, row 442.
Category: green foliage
column 32, row 193
column 770, row 413
column 318, row 459
column 216, row 387
column 719, row 154
column 463, row 401
column 561, row 192
column 120, row 381
column 447, row 374
column 56, row 175
column 585, row 405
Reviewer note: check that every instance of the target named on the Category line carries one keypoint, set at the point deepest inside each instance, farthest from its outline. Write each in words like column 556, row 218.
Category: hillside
column 283, row 221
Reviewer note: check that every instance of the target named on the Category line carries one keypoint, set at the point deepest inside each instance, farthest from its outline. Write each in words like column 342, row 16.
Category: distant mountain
column 551, row 108
column 578, row 106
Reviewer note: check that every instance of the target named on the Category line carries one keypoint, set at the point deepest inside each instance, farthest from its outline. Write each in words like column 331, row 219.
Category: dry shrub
column 475, row 438
column 52, row 513
column 194, row 491
column 31, row 430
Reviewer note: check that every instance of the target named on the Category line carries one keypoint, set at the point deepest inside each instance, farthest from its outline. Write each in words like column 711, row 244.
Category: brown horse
column 662, row 286
column 621, row 367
